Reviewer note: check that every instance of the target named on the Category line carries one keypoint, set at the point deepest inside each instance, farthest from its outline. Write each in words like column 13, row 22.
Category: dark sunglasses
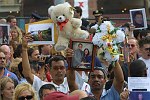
column 3, row 58
column 28, row 97
column 147, row 49
column 132, row 45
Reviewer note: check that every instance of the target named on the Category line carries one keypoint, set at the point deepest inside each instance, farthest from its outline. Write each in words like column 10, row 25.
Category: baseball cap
column 60, row 96
column 35, row 16
column 97, row 12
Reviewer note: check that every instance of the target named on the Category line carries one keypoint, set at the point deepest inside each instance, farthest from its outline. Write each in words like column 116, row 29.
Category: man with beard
column 97, row 80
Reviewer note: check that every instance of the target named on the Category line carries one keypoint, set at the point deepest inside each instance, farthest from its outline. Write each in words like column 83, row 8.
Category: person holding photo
column 138, row 19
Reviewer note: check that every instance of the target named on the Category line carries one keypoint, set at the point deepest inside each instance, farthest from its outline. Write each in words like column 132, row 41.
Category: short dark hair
column 78, row 10
column 137, row 69
column 46, row 86
column 9, row 17
column 56, row 58
column 80, row 44
column 98, row 68
column 143, row 41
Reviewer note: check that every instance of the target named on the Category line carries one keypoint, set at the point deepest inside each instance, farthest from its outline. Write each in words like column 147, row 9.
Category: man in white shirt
column 56, row 68
column 144, row 45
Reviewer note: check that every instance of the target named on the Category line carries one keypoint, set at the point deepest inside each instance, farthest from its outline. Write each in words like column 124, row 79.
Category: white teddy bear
column 67, row 26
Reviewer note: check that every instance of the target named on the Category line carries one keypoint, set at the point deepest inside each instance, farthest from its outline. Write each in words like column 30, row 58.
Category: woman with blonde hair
column 24, row 91
column 6, row 88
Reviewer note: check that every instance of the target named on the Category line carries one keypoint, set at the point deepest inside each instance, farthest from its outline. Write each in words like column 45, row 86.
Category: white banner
column 84, row 5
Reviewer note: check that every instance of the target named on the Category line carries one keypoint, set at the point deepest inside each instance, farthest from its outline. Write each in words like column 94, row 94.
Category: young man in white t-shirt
column 144, row 45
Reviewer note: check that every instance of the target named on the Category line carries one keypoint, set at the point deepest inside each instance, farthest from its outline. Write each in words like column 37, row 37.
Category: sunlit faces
column 8, row 90
column 133, row 48
column 2, row 59
column 97, row 80
column 58, row 71
column 46, row 49
column 14, row 34
column 145, row 51
column 35, row 55
column 13, row 22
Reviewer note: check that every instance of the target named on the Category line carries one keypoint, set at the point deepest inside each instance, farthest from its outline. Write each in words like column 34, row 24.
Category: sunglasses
column 147, row 49
column 28, row 97
column 131, row 45
column 2, row 58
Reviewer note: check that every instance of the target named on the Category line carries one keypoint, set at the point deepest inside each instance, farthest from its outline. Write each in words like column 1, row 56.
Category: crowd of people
column 38, row 72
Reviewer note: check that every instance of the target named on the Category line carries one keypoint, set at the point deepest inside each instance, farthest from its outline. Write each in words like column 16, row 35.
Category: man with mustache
column 97, row 80
column 56, row 67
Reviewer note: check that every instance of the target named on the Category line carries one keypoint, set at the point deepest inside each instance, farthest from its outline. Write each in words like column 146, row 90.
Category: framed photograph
column 4, row 33
column 84, row 52
column 42, row 32
column 138, row 18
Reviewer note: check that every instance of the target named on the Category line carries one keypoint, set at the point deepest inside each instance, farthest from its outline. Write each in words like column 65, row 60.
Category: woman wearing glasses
column 24, row 91
column 133, row 48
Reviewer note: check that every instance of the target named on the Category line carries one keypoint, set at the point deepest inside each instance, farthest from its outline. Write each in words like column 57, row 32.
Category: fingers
column 69, row 52
column 27, row 38
column 124, row 95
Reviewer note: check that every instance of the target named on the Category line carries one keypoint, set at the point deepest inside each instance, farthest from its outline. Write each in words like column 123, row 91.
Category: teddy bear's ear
column 67, row 4
column 71, row 9
column 50, row 10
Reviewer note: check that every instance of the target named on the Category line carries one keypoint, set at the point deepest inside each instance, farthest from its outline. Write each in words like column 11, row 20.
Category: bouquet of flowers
column 108, row 37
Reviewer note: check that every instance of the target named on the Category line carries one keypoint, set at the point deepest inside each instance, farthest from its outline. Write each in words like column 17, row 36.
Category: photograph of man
column 3, row 34
column 138, row 19
column 78, row 55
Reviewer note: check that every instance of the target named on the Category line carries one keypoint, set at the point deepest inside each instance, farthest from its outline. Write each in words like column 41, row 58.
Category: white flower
column 120, row 36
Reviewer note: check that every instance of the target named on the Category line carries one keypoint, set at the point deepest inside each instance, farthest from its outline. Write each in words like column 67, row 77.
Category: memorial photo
column 83, row 51
column 4, row 33
column 138, row 18
column 42, row 32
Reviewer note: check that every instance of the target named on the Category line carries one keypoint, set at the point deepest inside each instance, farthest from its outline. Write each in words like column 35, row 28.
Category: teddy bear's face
column 61, row 12
column 61, row 18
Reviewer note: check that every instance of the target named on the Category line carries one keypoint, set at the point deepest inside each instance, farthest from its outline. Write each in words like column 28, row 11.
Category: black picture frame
column 78, row 61
column 138, row 18
column 4, row 33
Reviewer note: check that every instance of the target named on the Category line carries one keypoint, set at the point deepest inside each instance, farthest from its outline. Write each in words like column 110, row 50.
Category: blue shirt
column 97, row 62
column 10, row 75
column 110, row 94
